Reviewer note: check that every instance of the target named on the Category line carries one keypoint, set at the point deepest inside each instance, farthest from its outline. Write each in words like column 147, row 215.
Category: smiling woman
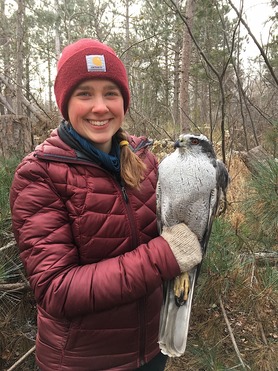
column 84, row 217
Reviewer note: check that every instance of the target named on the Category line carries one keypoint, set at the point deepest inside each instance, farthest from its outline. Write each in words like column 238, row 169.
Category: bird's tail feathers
column 174, row 321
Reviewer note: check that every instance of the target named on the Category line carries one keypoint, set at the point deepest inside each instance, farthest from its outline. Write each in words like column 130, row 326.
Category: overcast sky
column 256, row 13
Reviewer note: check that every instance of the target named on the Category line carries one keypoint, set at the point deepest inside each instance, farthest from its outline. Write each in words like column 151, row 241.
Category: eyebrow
column 89, row 87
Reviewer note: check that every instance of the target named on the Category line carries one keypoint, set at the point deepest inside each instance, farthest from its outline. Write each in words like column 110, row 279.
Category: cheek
column 75, row 110
column 119, row 110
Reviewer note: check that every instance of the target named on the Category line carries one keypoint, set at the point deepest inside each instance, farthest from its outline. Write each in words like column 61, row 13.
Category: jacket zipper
column 142, row 302
column 125, row 196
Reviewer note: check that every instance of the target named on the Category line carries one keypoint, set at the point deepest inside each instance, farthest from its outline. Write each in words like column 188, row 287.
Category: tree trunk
column 15, row 135
column 185, row 66
column 57, row 32
column 253, row 156
column 6, row 94
column 19, row 56
column 126, row 58
column 176, row 87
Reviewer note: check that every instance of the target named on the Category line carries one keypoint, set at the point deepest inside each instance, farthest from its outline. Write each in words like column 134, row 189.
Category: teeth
column 97, row 123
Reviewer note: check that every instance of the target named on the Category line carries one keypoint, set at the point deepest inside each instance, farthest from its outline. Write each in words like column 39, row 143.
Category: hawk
column 190, row 184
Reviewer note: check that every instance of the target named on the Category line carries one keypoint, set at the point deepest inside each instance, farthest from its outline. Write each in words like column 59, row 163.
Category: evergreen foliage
column 262, row 198
column 7, row 169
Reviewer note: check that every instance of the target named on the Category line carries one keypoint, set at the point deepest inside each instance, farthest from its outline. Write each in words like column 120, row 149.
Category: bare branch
column 17, row 363
column 231, row 334
column 18, row 286
column 255, row 41
column 6, row 104
column 10, row 244
column 25, row 101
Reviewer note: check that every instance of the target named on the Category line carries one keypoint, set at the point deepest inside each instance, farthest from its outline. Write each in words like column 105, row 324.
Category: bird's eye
column 195, row 141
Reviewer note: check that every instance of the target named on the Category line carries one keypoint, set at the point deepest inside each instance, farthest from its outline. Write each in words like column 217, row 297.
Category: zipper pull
column 124, row 194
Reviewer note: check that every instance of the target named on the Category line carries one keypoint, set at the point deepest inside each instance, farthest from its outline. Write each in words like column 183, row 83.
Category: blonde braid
column 132, row 167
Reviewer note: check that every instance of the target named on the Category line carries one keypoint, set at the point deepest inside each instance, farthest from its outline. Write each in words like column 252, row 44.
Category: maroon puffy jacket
column 93, row 258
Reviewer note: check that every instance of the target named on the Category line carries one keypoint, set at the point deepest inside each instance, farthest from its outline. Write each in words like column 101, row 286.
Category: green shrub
column 7, row 169
column 261, row 203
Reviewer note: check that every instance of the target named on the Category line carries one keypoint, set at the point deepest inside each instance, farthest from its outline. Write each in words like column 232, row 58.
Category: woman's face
column 96, row 111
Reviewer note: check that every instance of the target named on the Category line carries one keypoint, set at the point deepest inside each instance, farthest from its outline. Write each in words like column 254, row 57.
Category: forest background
column 188, row 72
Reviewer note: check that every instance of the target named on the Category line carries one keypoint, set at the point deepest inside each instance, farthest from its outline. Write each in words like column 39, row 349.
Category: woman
column 83, row 208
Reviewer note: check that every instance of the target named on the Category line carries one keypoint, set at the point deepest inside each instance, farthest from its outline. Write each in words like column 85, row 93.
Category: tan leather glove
column 184, row 245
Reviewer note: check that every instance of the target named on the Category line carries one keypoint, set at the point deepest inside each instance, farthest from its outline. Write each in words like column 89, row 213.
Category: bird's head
column 195, row 144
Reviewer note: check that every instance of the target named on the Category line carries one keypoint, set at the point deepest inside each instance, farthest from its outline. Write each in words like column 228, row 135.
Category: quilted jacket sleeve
column 60, row 284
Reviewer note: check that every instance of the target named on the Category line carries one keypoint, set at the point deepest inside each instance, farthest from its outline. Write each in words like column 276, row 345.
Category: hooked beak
column 177, row 144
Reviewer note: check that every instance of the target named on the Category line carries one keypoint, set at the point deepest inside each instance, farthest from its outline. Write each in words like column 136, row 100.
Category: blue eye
column 113, row 93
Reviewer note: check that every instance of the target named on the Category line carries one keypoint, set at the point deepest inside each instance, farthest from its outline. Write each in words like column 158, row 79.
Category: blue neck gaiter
column 110, row 161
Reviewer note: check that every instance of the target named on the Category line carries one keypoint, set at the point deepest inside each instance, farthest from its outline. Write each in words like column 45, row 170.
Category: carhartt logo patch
column 95, row 63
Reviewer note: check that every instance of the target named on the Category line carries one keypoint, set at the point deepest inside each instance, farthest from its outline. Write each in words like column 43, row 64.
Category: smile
column 97, row 123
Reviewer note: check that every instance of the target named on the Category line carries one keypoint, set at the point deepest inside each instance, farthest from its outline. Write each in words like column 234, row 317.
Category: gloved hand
column 184, row 245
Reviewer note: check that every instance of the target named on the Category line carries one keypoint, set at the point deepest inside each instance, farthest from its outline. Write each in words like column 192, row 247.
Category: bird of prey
column 190, row 184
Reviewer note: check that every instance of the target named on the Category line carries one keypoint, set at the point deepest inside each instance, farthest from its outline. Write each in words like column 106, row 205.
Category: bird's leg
column 181, row 288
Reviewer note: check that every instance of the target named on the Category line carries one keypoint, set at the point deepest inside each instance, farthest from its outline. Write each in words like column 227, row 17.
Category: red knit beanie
column 88, row 59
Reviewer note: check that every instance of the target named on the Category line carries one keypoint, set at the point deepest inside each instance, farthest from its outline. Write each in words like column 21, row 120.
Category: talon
column 181, row 289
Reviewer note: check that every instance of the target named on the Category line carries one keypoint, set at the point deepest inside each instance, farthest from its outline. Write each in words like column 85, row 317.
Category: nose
column 99, row 105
